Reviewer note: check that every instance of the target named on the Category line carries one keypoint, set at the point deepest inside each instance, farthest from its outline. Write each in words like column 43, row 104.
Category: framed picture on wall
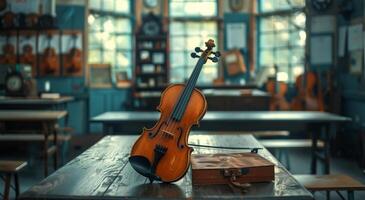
column 100, row 76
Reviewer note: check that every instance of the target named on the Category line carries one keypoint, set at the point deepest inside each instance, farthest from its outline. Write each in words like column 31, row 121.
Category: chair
column 9, row 169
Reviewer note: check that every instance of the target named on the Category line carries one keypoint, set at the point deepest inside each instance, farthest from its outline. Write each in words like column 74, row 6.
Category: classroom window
column 110, row 34
column 282, row 37
column 192, row 24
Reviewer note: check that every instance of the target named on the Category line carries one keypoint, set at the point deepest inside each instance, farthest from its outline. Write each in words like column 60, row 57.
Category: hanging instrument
column 277, row 89
column 162, row 153
column 74, row 57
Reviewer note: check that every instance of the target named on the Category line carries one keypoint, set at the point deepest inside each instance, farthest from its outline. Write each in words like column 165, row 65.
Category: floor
column 299, row 159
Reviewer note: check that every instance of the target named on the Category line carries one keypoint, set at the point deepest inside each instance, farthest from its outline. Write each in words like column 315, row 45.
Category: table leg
column 7, row 186
column 16, row 181
column 350, row 195
column 55, row 139
column 45, row 148
column 314, row 150
column 326, row 149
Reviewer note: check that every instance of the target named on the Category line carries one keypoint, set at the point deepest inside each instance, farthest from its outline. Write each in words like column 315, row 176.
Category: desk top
column 33, row 101
column 31, row 115
column 262, row 116
column 103, row 172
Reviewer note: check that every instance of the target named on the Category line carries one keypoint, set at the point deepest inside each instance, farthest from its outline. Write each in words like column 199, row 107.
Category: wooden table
column 47, row 121
column 218, row 100
column 103, row 172
column 316, row 123
column 33, row 103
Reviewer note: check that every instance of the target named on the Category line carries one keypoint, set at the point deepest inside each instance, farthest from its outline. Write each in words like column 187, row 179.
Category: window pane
column 282, row 56
column 177, row 75
column 180, row 8
column 123, row 42
column 177, row 59
column 95, row 4
column 122, row 25
column 94, row 56
column 267, row 57
column 282, row 39
column 266, row 24
column 122, row 6
column 267, row 40
column 124, row 59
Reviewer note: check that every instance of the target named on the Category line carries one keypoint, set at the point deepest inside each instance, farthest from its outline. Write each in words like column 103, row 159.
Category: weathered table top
column 33, row 101
column 31, row 115
column 262, row 116
column 103, row 172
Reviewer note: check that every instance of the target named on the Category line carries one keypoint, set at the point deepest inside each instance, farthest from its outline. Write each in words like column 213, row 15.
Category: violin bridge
column 167, row 134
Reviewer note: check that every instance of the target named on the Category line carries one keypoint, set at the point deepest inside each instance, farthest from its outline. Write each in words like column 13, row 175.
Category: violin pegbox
column 207, row 52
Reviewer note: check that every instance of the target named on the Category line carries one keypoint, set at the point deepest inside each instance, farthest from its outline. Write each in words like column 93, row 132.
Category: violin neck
column 180, row 106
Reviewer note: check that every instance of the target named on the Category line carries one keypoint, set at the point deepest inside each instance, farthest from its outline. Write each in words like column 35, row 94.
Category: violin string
column 189, row 89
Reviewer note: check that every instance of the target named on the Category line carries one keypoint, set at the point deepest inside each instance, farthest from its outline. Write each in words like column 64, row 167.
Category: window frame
column 193, row 19
column 129, row 51
column 288, row 14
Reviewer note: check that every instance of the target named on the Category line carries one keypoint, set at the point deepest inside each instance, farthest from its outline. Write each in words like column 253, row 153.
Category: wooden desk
column 219, row 100
column 103, row 172
column 34, row 103
column 47, row 121
column 316, row 123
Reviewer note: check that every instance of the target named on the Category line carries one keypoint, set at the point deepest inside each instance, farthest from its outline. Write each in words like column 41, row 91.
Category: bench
column 63, row 139
column 257, row 134
column 9, row 169
column 287, row 144
column 330, row 183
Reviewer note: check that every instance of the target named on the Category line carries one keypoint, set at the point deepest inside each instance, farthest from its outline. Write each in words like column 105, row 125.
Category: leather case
column 232, row 168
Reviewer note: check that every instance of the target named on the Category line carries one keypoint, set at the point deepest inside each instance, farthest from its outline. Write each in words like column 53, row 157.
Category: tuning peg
column 198, row 49
column 213, row 59
column 194, row 55
column 217, row 53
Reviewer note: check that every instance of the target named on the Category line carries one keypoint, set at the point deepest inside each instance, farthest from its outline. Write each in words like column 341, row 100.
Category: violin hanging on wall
column 162, row 153
column 74, row 58
column 9, row 52
column 50, row 61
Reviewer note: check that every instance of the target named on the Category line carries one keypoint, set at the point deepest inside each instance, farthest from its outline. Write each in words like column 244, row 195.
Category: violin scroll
column 207, row 52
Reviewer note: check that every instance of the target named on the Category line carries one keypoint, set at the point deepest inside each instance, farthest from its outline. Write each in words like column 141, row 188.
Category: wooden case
column 210, row 169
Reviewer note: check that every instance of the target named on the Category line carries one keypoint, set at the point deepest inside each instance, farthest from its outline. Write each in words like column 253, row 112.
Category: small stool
column 9, row 168
column 330, row 183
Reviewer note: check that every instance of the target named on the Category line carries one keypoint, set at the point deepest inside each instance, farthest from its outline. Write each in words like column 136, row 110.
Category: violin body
column 277, row 90
column 173, row 136
column 75, row 60
column 9, row 56
column 306, row 98
column 50, row 60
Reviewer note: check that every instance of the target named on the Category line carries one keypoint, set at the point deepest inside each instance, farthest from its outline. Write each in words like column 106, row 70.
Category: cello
column 161, row 153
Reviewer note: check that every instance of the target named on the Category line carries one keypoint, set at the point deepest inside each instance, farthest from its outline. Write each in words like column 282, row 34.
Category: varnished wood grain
column 329, row 182
column 33, row 101
column 31, row 115
column 102, row 172
column 10, row 166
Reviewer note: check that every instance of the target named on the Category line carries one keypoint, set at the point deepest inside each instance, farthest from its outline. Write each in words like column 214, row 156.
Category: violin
column 50, row 60
column 307, row 99
column 74, row 58
column 9, row 55
column 278, row 90
column 28, row 55
column 161, row 153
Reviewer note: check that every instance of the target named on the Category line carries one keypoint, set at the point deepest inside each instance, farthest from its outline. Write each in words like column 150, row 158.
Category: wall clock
column 236, row 5
column 151, row 25
column 150, row 3
column 14, row 84
column 321, row 5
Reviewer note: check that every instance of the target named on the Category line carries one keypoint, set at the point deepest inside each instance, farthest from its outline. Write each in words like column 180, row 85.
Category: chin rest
column 143, row 166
